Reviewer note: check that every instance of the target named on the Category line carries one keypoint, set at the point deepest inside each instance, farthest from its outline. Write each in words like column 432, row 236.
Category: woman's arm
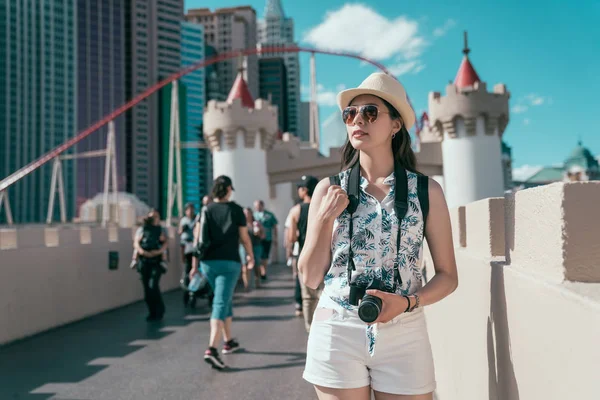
column 439, row 238
column 247, row 243
column 327, row 203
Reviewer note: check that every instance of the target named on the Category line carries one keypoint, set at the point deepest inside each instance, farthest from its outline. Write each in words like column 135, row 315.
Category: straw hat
column 384, row 86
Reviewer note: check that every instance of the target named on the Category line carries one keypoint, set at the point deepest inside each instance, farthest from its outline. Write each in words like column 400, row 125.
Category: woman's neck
column 223, row 200
column 378, row 165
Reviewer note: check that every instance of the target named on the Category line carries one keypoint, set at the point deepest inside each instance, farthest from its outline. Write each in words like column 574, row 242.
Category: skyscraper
column 38, row 106
column 277, row 30
column 273, row 86
column 100, row 88
column 228, row 30
column 195, row 161
column 153, row 52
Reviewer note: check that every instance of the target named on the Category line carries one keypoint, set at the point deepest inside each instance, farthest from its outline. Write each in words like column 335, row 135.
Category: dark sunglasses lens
column 369, row 112
column 349, row 114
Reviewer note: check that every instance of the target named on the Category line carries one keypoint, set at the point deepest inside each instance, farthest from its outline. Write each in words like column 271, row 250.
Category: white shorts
column 337, row 355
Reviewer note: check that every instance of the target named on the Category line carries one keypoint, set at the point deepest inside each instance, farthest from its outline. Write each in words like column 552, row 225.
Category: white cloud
column 525, row 172
column 405, row 67
column 442, row 30
column 325, row 97
column 519, row 109
column 359, row 29
column 535, row 100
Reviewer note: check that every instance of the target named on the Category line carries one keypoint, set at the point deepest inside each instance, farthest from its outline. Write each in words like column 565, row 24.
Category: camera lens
column 369, row 308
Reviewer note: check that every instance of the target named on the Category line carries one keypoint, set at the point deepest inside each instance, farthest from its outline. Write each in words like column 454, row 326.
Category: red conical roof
column 466, row 75
column 239, row 90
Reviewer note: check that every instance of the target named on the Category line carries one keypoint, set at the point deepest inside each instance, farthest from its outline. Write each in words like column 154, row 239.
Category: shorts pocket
column 320, row 338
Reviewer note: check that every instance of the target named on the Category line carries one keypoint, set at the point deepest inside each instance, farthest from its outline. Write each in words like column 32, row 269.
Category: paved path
column 118, row 356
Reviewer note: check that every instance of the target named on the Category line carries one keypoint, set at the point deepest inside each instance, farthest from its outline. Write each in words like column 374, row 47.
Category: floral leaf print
column 370, row 218
column 328, row 278
column 414, row 207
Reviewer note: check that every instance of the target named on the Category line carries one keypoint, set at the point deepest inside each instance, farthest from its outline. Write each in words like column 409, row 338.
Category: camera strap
column 400, row 207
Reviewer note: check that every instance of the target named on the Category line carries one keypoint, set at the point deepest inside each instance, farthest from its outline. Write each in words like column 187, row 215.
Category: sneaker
column 211, row 356
column 231, row 346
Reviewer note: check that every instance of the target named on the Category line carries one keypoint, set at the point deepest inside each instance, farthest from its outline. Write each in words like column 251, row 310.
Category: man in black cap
column 298, row 219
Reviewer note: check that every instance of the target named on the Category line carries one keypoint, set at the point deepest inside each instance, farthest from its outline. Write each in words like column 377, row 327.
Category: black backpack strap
column 335, row 180
column 423, row 194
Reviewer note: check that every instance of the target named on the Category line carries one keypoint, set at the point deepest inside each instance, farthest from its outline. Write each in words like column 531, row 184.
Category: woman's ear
column 396, row 125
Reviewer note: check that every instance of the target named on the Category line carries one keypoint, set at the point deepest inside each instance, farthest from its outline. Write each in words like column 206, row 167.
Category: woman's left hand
column 392, row 305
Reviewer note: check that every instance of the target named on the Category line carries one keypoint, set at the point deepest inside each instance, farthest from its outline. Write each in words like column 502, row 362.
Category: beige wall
column 50, row 277
column 526, row 329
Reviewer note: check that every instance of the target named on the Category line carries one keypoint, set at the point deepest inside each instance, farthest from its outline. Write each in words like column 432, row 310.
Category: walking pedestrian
column 269, row 223
column 297, row 234
column 366, row 228
column 150, row 245
column 222, row 226
column 186, row 236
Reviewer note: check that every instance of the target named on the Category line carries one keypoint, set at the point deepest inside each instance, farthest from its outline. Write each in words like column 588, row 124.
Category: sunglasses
column 368, row 112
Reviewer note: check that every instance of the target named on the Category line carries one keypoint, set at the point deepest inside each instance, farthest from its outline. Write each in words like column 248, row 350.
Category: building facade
column 100, row 89
column 38, row 106
column 196, row 162
column 229, row 30
column 278, row 31
column 153, row 52
column 273, row 86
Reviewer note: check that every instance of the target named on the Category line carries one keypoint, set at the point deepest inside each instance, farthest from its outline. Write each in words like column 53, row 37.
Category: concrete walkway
column 118, row 356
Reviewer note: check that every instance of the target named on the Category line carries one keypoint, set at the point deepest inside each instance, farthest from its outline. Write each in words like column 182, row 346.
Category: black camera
column 369, row 306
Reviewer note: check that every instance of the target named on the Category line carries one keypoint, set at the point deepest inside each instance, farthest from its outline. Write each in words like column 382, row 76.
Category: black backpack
column 151, row 237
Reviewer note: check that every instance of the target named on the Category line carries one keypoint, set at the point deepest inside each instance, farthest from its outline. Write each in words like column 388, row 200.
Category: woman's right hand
column 193, row 272
column 333, row 203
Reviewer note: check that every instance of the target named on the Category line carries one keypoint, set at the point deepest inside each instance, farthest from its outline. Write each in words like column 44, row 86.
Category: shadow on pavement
column 63, row 355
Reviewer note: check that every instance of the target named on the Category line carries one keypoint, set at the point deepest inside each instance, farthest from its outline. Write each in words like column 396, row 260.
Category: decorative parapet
column 223, row 123
column 484, row 227
column 469, row 104
column 553, row 231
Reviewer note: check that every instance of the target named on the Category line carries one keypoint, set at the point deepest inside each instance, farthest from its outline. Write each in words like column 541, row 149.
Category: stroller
column 199, row 288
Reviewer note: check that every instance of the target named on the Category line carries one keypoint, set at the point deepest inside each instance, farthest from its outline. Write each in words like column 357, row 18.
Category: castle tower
column 470, row 121
column 239, row 132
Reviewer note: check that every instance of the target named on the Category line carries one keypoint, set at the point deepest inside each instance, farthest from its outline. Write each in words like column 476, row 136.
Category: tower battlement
column 469, row 103
column 224, row 120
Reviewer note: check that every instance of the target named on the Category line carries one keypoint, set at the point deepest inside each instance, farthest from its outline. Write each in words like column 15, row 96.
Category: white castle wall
column 247, row 168
column 472, row 165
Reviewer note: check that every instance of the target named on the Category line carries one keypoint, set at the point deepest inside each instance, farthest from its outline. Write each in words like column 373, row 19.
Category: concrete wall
column 522, row 324
column 53, row 276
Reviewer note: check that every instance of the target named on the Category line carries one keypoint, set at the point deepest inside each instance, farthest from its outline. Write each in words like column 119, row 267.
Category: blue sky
column 546, row 52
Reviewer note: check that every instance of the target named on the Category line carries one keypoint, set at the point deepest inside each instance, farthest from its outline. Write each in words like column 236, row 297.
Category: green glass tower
column 38, row 106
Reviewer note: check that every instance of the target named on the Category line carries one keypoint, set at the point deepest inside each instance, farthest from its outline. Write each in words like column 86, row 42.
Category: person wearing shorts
column 365, row 233
column 269, row 222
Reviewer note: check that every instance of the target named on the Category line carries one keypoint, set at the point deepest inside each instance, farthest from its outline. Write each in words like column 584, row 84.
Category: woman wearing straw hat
column 365, row 234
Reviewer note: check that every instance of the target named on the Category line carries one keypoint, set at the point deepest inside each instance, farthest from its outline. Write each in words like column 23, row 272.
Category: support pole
column 172, row 128
column 57, row 179
column 113, row 165
column 107, row 164
column 178, row 155
column 4, row 201
column 314, row 106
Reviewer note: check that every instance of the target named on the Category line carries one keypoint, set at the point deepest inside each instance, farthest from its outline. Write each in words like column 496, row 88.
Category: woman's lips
column 359, row 134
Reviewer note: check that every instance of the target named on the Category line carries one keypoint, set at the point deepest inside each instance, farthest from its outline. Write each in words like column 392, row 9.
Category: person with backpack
column 150, row 245
column 186, row 236
column 296, row 233
column 364, row 241
column 222, row 227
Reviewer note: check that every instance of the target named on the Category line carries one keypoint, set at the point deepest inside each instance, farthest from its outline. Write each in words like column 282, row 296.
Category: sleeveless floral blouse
column 375, row 227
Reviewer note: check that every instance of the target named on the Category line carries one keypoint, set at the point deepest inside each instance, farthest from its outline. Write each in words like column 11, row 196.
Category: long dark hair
column 401, row 146
column 220, row 186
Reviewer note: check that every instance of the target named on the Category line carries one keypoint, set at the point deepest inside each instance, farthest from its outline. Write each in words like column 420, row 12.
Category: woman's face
column 365, row 135
column 155, row 216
